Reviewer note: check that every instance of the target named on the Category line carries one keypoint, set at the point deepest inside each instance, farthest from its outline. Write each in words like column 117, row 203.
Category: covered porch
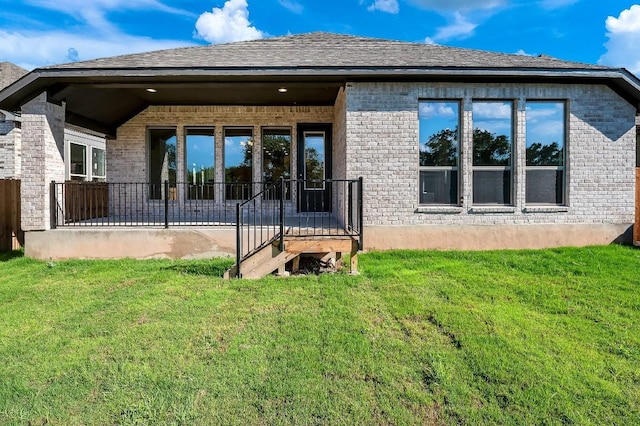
column 188, row 153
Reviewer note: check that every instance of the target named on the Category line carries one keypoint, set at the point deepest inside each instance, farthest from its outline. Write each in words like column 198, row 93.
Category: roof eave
column 13, row 96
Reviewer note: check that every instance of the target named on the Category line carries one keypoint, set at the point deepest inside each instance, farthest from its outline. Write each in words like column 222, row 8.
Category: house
column 84, row 150
column 455, row 148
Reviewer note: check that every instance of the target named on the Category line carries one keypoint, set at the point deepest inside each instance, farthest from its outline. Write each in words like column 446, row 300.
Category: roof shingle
column 324, row 50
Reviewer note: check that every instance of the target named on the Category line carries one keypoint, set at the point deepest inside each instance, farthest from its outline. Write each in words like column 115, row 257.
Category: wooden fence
column 11, row 235
column 85, row 200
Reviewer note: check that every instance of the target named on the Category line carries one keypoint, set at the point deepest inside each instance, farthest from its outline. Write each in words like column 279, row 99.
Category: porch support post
column 42, row 160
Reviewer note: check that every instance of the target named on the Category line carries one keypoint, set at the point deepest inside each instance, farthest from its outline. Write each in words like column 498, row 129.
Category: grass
column 503, row 337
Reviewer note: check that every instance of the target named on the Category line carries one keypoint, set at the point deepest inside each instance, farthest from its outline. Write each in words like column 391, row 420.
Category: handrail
column 270, row 225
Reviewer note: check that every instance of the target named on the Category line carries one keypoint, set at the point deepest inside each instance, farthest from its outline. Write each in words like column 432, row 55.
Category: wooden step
column 271, row 258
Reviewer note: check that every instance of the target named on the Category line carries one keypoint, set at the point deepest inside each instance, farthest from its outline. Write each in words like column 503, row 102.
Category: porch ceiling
column 103, row 105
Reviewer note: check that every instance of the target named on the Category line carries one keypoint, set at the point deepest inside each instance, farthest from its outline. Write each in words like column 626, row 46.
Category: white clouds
column 429, row 110
column 491, row 110
column 463, row 16
column 459, row 28
column 95, row 36
column 624, row 39
column 292, row 6
column 33, row 49
column 388, row 6
column 627, row 22
column 521, row 52
column 93, row 12
column 231, row 23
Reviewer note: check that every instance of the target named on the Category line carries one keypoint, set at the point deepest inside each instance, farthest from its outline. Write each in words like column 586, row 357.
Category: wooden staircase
column 266, row 239
column 270, row 258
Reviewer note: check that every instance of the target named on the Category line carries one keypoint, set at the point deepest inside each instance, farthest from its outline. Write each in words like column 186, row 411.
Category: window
column 162, row 163
column 200, row 163
column 545, row 152
column 439, row 152
column 276, row 157
column 238, row 152
column 314, row 160
column 492, row 152
column 78, row 163
column 98, row 170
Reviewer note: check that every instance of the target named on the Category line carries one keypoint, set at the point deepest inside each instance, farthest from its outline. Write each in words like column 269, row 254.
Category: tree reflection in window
column 314, row 160
column 441, row 149
column 490, row 149
column 439, row 152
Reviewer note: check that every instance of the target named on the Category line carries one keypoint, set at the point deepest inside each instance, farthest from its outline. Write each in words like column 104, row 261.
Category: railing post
column 238, row 242
column 166, row 204
column 281, row 213
column 54, row 205
column 360, row 214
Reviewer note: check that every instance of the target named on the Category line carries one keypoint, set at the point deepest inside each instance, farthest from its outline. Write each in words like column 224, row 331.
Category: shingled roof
column 324, row 50
column 101, row 94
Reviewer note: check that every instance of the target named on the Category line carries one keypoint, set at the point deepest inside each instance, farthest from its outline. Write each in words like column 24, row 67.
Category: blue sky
column 44, row 32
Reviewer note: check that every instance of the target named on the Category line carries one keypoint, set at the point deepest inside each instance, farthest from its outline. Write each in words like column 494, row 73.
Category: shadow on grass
column 5, row 256
column 212, row 268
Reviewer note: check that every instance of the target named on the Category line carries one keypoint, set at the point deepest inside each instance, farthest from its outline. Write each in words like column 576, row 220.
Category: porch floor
column 299, row 224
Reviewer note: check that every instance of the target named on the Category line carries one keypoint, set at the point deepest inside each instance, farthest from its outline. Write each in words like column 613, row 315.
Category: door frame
column 315, row 200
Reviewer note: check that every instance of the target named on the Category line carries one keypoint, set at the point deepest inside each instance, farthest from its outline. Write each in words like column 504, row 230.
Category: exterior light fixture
column 151, row 90
column 282, row 89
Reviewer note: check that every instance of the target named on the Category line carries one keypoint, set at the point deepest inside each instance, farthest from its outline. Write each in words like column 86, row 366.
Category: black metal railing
column 147, row 204
column 322, row 208
column 286, row 208
column 259, row 222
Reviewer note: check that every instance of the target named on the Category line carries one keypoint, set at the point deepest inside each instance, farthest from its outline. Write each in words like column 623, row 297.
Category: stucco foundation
column 196, row 243
column 469, row 237
column 116, row 243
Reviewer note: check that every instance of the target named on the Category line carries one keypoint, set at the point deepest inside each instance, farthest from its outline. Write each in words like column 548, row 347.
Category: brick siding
column 382, row 147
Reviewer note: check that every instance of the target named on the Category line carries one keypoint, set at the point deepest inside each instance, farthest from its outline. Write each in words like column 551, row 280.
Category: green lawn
column 509, row 337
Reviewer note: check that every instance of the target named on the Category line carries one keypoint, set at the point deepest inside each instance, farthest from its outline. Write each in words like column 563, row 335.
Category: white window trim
column 96, row 176
column 84, row 176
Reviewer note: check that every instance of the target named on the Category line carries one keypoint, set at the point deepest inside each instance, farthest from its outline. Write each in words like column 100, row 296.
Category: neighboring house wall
column 382, row 146
column 94, row 150
column 10, row 152
column 10, row 73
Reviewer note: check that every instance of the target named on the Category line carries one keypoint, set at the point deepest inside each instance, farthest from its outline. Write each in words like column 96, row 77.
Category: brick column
column 42, row 160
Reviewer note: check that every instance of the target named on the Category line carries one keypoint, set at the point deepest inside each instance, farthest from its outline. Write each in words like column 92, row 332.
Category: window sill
column 492, row 209
column 439, row 210
column 546, row 209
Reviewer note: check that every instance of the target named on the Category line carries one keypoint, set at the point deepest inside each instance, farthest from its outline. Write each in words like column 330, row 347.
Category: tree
column 544, row 155
column 276, row 156
column 489, row 149
column 441, row 149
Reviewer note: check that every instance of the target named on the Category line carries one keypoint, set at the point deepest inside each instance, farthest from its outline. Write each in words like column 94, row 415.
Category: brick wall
column 382, row 147
column 127, row 159
column 43, row 162
column 9, row 149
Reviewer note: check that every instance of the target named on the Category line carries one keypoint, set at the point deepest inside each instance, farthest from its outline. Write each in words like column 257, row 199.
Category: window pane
column 314, row 160
column 439, row 133
column 238, row 152
column 200, row 163
column 78, row 159
column 545, row 133
column 545, row 186
column 492, row 130
column 162, row 162
column 492, row 187
column 276, row 154
column 97, row 155
column 438, row 187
